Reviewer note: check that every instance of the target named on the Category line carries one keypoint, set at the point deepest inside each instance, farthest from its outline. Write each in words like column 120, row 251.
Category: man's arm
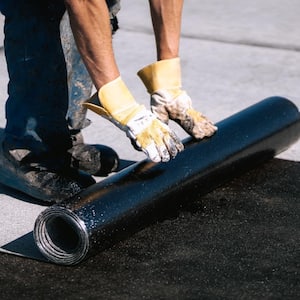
column 166, row 19
column 163, row 78
column 91, row 27
column 90, row 24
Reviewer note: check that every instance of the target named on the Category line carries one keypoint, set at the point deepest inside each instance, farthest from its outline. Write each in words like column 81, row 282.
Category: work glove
column 148, row 134
column 168, row 101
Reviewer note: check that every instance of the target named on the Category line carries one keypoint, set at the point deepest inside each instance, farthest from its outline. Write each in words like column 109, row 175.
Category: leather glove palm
column 114, row 102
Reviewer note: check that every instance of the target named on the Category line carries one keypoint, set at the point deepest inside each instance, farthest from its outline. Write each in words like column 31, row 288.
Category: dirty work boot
column 97, row 160
column 52, row 181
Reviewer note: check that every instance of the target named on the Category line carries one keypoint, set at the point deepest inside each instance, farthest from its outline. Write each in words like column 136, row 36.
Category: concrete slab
column 264, row 23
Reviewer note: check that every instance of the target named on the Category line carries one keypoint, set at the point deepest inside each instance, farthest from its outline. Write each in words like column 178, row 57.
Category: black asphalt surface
column 240, row 241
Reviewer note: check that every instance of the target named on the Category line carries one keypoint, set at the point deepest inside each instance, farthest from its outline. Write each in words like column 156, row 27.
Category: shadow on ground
column 123, row 163
column 240, row 241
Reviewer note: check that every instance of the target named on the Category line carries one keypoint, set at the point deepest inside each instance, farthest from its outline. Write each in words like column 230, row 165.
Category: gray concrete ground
column 234, row 53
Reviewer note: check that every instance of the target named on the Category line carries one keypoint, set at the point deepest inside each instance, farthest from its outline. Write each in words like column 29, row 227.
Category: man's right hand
column 114, row 102
column 153, row 137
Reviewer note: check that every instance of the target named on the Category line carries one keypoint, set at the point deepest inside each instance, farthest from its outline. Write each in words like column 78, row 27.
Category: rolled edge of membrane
column 61, row 236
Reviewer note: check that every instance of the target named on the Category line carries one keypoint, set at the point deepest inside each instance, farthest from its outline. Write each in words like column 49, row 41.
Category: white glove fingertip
column 152, row 153
column 164, row 154
column 176, row 141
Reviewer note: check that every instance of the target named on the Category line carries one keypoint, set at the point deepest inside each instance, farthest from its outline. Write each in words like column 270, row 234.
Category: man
column 37, row 147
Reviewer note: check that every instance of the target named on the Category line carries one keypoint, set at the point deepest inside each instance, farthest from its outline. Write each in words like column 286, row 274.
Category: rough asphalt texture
column 240, row 241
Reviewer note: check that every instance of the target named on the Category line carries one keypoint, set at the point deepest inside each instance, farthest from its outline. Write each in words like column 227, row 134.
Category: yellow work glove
column 114, row 102
column 168, row 101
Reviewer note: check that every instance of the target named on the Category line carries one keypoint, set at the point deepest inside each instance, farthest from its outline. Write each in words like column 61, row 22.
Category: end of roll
column 61, row 236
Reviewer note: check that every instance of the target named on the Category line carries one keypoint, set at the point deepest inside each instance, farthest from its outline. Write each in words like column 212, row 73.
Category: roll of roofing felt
column 122, row 204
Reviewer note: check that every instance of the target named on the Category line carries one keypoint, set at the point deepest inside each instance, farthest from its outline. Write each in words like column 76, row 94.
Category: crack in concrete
column 224, row 40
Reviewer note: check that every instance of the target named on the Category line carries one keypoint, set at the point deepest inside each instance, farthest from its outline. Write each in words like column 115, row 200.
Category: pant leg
column 38, row 95
column 79, row 81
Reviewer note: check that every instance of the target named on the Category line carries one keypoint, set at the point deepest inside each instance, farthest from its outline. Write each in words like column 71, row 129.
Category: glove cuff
column 114, row 100
column 163, row 74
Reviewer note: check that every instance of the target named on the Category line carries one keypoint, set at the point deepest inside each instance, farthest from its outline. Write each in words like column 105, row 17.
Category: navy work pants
column 38, row 93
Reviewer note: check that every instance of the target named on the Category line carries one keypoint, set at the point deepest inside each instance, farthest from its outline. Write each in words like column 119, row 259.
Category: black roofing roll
column 129, row 200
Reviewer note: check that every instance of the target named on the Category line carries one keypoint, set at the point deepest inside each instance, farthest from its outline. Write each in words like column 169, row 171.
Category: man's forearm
column 90, row 24
column 166, row 19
